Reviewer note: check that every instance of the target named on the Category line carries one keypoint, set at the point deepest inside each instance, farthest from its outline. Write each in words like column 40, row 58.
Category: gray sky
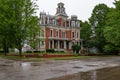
column 81, row 8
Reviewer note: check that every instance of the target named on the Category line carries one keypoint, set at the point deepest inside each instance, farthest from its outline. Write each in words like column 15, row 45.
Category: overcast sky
column 81, row 8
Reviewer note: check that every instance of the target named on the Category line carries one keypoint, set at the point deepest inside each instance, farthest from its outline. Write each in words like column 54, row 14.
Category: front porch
column 60, row 45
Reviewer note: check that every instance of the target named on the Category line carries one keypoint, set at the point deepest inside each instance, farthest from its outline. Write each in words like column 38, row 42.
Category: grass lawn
column 70, row 58
column 39, row 59
column 54, row 58
column 12, row 57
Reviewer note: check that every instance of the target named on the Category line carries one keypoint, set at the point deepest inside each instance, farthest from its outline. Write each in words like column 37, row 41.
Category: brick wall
column 47, row 35
column 68, row 34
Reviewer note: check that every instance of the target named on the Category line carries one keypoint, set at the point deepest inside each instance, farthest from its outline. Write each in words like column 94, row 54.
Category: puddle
column 77, row 67
column 35, row 64
column 2, row 65
column 92, row 65
column 100, row 74
column 57, row 71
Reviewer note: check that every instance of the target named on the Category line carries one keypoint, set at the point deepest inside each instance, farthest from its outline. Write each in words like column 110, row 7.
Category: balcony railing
column 58, row 38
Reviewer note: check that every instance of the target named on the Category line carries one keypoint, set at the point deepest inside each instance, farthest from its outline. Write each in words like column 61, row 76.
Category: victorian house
column 58, row 32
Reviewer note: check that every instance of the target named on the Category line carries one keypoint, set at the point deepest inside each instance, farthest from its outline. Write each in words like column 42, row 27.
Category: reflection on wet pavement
column 53, row 70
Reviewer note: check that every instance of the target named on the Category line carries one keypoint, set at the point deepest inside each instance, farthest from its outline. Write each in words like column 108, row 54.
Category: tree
column 97, row 23
column 25, row 24
column 76, row 48
column 110, row 49
column 112, row 29
column 17, row 22
column 6, row 24
column 85, row 33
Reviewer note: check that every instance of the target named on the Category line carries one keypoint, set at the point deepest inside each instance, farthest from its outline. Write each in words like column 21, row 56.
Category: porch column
column 65, row 24
column 64, row 44
column 58, row 44
column 53, row 44
column 70, row 45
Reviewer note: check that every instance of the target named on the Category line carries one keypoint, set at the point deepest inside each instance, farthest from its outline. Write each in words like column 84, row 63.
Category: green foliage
column 110, row 48
column 85, row 33
column 25, row 23
column 112, row 29
column 6, row 24
column 17, row 22
column 50, row 50
column 76, row 48
column 97, row 23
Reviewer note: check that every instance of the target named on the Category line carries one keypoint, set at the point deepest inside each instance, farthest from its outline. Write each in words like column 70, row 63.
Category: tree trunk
column 5, row 53
column 20, row 52
column 5, row 48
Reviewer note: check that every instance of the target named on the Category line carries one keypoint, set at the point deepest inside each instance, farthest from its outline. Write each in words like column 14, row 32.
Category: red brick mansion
column 57, row 31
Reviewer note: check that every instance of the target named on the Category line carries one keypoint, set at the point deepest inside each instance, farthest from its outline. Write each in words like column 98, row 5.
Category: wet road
column 99, row 74
column 89, row 69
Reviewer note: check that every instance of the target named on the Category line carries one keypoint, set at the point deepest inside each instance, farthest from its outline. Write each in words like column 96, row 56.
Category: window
column 42, row 33
column 64, row 24
column 63, row 34
column 78, row 24
column 57, row 34
column 42, row 21
column 51, row 33
column 46, row 19
column 73, row 23
column 54, row 22
column 42, row 42
column 73, row 34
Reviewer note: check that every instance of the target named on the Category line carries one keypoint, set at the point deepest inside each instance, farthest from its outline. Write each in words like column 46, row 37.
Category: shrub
column 50, row 50
column 110, row 49
column 76, row 48
column 36, row 51
column 1, row 51
column 28, row 51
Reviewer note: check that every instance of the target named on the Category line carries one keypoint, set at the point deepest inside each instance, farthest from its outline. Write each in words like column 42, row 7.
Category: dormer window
column 73, row 23
column 54, row 22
